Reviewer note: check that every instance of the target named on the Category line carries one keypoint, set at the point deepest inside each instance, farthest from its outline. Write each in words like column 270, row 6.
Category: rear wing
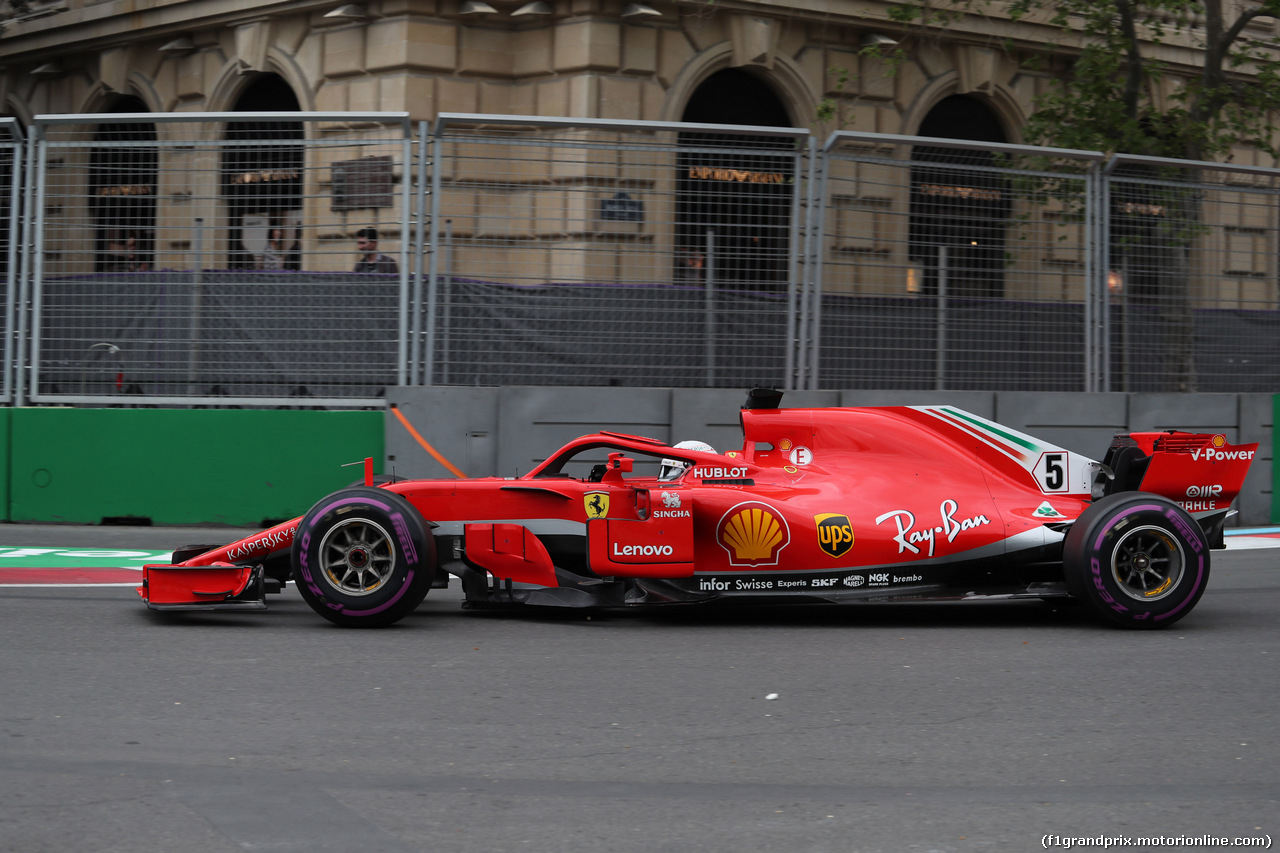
column 1201, row 472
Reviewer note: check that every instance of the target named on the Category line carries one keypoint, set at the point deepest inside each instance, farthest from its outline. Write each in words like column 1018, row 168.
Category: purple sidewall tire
column 387, row 527
column 1136, row 560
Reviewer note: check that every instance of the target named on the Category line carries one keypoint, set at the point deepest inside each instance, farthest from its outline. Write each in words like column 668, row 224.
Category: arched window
column 262, row 175
column 731, row 186
column 959, row 205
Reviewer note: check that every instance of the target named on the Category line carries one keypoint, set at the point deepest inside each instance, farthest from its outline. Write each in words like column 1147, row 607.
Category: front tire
column 1136, row 560
column 362, row 558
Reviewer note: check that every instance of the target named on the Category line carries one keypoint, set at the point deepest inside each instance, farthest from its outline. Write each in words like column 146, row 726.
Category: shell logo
column 1219, row 441
column 753, row 534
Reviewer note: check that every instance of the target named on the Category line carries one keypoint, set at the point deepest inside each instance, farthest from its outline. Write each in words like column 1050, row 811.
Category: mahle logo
column 835, row 533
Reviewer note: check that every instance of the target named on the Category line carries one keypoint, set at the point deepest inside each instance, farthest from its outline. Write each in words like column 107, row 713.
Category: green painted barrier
column 6, row 419
column 181, row 466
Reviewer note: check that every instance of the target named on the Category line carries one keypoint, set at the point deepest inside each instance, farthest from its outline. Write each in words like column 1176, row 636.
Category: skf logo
column 835, row 534
column 596, row 504
column 753, row 533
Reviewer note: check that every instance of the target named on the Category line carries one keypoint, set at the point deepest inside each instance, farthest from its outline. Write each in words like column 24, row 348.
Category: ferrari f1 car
column 903, row 503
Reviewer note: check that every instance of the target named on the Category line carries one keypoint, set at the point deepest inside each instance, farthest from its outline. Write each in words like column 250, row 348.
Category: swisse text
column 620, row 550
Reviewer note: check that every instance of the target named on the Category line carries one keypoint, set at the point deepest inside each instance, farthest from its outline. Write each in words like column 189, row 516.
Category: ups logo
column 835, row 534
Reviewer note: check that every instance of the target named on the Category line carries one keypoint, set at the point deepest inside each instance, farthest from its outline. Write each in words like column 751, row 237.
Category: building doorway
column 959, row 205
column 734, row 195
column 10, row 163
column 262, row 173
column 122, row 190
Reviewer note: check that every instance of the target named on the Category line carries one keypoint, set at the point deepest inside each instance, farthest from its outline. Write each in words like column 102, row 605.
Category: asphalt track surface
column 894, row 728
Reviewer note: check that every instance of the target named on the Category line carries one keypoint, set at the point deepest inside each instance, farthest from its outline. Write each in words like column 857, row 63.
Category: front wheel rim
column 357, row 557
column 1147, row 563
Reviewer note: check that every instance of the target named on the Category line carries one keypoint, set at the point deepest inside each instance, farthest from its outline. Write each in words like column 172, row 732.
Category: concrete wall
column 506, row 431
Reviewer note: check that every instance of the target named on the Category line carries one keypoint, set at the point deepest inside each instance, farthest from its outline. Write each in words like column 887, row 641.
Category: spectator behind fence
column 134, row 259
column 272, row 257
column 371, row 260
column 692, row 267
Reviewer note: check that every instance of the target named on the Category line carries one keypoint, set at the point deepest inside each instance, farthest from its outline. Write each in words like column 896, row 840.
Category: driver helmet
column 670, row 469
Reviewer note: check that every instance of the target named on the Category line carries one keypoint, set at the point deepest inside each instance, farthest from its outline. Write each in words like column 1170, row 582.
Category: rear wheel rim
column 357, row 557
column 1147, row 563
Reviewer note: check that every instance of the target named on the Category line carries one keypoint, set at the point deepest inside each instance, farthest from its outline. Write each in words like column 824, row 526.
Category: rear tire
column 1136, row 560
column 362, row 558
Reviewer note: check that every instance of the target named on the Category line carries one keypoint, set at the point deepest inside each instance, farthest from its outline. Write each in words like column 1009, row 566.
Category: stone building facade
column 784, row 64
column 581, row 58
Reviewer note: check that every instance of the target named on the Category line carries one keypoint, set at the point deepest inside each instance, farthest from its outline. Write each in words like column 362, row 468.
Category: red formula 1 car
column 831, row 504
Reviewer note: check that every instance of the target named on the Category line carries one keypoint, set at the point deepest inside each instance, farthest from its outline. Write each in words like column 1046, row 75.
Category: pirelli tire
column 1136, row 560
column 363, row 558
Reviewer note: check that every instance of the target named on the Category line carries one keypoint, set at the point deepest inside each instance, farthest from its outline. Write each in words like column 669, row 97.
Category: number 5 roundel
column 1051, row 472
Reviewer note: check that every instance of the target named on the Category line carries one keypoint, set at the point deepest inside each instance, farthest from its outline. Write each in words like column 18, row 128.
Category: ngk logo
column 1204, row 491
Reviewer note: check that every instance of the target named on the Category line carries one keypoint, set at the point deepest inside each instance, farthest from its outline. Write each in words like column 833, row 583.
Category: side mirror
column 618, row 462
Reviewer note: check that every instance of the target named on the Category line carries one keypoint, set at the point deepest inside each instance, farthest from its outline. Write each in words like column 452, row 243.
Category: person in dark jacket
column 371, row 260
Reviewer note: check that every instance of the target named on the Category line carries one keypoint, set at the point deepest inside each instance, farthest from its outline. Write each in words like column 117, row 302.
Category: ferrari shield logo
column 597, row 504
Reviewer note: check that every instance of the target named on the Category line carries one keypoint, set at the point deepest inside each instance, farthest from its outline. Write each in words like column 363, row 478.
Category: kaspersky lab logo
column 835, row 533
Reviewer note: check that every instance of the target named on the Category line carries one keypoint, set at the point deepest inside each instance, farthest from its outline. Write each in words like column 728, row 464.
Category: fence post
column 445, row 287
column 1102, row 251
column 433, row 270
column 197, row 306
column 811, row 305
column 420, row 249
column 32, row 244
column 402, row 330
column 17, row 185
column 709, row 307
column 799, row 272
column 940, row 374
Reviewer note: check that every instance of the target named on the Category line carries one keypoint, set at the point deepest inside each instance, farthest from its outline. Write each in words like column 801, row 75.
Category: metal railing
column 12, row 170
column 578, row 251
column 185, row 257
column 951, row 264
column 213, row 259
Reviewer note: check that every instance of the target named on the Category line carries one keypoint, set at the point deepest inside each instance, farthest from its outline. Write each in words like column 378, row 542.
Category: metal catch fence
column 949, row 264
column 316, row 259
column 185, row 257
column 1191, row 284
column 580, row 252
